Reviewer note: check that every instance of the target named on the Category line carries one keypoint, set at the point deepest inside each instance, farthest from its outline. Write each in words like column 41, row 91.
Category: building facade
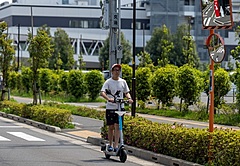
column 81, row 20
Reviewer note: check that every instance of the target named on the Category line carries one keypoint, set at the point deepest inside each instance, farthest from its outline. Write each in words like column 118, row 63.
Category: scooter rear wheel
column 123, row 155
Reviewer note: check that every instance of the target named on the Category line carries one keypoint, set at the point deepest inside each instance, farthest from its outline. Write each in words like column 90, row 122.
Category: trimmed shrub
column 181, row 142
column 94, row 81
column 45, row 114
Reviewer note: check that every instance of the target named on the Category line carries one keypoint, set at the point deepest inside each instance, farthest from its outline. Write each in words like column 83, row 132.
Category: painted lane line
column 4, row 139
column 25, row 136
column 11, row 127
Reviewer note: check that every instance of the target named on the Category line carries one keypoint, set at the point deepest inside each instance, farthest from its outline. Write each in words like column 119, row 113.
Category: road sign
column 215, row 47
column 216, row 14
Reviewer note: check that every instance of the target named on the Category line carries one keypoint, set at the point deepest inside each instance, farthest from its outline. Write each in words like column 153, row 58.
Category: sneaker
column 115, row 149
column 110, row 149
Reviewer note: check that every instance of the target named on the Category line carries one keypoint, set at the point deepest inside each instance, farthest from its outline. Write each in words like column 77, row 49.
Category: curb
column 31, row 122
column 147, row 155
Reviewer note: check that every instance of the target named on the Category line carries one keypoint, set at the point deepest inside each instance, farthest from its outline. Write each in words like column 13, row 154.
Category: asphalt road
column 24, row 145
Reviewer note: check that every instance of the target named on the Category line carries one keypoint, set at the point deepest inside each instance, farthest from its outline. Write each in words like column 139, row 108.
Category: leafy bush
column 94, row 81
column 127, row 74
column 180, row 142
column 27, row 78
column 63, row 81
column 143, row 87
column 190, row 85
column 163, row 83
column 49, row 115
column 45, row 79
column 75, row 82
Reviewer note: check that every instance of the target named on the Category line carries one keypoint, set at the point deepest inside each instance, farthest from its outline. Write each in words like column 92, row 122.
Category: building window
column 83, row 24
column 65, row 1
column 138, row 25
column 186, row 2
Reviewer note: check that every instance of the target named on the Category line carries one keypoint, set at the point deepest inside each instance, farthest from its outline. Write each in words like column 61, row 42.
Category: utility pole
column 113, row 26
column 111, row 20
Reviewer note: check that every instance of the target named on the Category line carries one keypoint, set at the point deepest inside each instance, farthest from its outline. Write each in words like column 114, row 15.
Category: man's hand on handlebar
column 130, row 101
column 111, row 100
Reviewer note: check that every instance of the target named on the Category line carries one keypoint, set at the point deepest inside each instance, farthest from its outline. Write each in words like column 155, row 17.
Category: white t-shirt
column 114, row 86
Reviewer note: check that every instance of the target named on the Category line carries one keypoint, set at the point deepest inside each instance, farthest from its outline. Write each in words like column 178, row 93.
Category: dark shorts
column 111, row 117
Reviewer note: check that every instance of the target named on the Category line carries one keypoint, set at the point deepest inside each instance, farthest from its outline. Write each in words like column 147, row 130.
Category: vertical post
column 211, row 111
column 143, row 38
column 32, row 21
column 133, row 61
column 113, row 26
column 119, row 51
column 18, row 47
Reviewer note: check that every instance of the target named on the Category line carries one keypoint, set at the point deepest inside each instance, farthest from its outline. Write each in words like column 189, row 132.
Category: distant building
column 81, row 20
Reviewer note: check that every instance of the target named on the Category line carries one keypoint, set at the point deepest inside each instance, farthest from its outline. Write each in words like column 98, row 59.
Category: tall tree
column 6, row 56
column 104, row 52
column 176, row 57
column 160, row 46
column 236, row 51
column 62, row 47
column 40, row 49
column 189, row 51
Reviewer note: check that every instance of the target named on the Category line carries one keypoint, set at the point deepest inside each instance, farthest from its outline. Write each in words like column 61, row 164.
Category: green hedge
column 181, row 142
column 45, row 114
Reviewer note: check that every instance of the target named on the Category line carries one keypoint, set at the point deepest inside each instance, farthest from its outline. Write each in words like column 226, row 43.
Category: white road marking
column 25, row 136
column 11, row 127
column 4, row 139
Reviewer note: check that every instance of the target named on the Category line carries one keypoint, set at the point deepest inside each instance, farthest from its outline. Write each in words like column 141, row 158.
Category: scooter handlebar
column 121, row 101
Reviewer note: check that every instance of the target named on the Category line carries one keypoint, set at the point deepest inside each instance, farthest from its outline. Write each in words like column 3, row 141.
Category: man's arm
column 104, row 95
column 128, row 96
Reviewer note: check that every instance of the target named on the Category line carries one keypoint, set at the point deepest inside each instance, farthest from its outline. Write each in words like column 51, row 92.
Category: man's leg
column 116, row 135
column 110, row 134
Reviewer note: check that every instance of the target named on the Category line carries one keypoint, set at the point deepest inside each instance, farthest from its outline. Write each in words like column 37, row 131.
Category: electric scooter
column 122, row 152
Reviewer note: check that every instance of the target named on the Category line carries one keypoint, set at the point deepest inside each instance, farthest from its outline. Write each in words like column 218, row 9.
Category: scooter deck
column 111, row 153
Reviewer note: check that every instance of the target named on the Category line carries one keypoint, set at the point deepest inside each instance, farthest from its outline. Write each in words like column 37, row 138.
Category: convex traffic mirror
column 216, row 49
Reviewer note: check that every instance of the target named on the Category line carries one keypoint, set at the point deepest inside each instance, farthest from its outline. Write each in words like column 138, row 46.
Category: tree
column 184, row 46
column 222, row 85
column 104, row 53
column 189, row 52
column 144, row 59
column 63, row 76
column 163, row 83
column 189, row 84
column 6, row 56
column 236, row 51
column 127, row 74
column 62, row 47
column 75, row 83
column 40, row 50
column 45, row 80
column 143, row 87
column 27, row 78
column 160, row 45
column 94, row 81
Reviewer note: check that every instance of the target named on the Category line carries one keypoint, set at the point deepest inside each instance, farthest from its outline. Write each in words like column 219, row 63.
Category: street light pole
column 18, row 45
column 133, row 61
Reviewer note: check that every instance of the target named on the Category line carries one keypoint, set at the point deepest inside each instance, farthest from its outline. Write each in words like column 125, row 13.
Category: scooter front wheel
column 107, row 156
column 123, row 155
